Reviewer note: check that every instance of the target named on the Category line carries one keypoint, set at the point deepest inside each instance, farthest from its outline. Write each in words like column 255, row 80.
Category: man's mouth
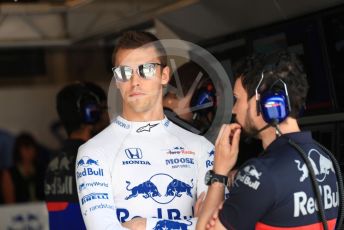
column 134, row 94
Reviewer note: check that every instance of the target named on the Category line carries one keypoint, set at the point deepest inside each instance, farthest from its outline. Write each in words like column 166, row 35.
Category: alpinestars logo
column 146, row 128
column 249, row 176
column 320, row 164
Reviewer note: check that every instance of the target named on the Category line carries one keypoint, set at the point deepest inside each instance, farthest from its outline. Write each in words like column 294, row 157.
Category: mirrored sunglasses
column 125, row 73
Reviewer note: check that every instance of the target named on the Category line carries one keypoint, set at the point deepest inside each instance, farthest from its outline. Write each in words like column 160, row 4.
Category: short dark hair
column 187, row 74
column 136, row 39
column 67, row 103
column 282, row 65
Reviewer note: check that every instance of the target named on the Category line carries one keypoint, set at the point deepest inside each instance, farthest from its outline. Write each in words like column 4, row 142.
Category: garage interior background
column 46, row 43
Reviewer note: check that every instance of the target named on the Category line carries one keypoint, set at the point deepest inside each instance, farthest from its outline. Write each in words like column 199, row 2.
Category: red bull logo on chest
column 162, row 188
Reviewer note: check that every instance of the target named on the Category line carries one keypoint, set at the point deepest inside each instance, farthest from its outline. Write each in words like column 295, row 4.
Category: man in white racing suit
column 142, row 171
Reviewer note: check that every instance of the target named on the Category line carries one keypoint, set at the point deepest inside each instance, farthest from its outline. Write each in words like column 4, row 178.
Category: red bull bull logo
column 147, row 189
column 322, row 166
column 160, row 184
column 170, row 225
column 87, row 162
column 87, row 165
column 177, row 187
column 25, row 221
column 249, row 176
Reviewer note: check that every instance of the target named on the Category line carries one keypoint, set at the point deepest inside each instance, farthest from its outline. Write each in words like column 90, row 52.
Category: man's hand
column 226, row 154
column 226, row 148
column 199, row 204
column 135, row 224
column 214, row 222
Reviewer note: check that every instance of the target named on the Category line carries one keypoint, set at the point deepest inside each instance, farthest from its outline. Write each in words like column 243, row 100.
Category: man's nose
column 135, row 79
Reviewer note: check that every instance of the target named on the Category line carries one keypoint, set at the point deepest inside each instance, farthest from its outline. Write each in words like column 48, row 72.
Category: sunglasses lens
column 147, row 70
column 123, row 73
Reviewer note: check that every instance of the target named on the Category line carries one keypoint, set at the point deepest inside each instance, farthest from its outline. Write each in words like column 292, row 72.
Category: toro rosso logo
column 170, row 225
column 179, row 150
column 89, row 167
column 321, row 165
column 160, row 184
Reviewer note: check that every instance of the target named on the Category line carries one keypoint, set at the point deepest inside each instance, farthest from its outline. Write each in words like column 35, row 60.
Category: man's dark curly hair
column 282, row 65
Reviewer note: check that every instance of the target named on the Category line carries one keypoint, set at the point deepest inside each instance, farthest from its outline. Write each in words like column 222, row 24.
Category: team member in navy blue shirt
column 274, row 190
column 81, row 109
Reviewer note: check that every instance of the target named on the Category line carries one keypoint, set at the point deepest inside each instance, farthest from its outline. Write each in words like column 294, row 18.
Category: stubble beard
column 249, row 127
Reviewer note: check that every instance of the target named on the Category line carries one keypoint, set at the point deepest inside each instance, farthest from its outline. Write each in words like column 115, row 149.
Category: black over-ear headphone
column 89, row 107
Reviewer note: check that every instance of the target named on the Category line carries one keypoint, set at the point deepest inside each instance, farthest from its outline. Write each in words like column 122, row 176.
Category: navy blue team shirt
column 274, row 190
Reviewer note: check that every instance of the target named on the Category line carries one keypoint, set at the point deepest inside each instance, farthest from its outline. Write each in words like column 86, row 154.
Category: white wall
column 32, row 109
column 29, row 109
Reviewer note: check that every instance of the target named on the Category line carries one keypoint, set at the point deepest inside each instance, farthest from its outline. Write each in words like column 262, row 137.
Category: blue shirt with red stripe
column 274, row 190
column 60, row 189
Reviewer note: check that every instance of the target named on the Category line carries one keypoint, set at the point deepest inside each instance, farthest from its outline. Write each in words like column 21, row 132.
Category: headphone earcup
column 203, row 96
column 89, row 107
column 274, row 106
column 90, row 113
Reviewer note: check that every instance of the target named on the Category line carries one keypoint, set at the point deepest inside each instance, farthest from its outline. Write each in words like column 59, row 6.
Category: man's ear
column 165, row 75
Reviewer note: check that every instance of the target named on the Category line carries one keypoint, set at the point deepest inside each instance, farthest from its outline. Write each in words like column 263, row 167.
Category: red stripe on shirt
column 57, row 206
column 317, row 226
